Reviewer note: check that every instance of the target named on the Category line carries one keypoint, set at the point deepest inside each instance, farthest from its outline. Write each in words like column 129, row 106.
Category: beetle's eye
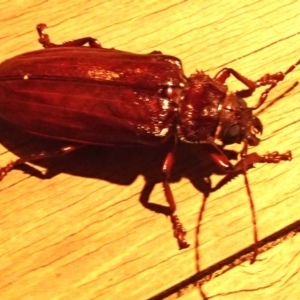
column 231, row 135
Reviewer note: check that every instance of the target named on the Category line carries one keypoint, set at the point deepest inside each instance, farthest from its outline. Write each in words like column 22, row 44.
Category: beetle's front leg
column 268, row 79
column 179, row 231
column 224, row 74
column 246, row 162
column 250, row 159
column 45, row 40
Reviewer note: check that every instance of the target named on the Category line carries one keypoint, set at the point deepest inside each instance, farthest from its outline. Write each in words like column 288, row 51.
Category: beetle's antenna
column 253, row 215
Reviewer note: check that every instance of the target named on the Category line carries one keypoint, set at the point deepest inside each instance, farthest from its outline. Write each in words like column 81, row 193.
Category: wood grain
column 274, row 276
column 83, row 234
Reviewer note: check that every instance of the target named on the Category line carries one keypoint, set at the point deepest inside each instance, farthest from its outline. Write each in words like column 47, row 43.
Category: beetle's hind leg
column 10, row 166
column 45, row 40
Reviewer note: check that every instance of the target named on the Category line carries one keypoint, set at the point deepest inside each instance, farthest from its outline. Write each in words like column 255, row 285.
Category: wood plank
column 83, row 233
column 274, row 276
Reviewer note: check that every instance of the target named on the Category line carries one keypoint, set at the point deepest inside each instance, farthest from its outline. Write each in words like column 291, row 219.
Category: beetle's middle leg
column 41, row 155
column 179, row 231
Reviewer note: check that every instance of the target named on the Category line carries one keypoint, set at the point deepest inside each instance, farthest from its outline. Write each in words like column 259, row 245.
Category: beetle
column 93, row 95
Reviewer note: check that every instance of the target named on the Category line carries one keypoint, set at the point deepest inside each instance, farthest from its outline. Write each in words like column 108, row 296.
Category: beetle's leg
column 41, row 155
column 250, row 159
column 268, row 79
column 272, row 80
column 247, row 162
column 179, row 231
column 224, row 74
column 45, row 40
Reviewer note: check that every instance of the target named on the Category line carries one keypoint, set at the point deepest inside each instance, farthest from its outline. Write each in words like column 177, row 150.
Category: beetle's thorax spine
column 219, row 127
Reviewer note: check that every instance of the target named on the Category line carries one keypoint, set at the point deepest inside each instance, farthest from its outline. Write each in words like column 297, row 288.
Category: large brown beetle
column 93, row 95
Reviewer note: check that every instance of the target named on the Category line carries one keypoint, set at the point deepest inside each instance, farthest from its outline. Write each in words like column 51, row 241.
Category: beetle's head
column 237, row 122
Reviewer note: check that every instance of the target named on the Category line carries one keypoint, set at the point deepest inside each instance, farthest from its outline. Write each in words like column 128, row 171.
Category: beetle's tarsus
column 179, row 232
column 250, row 159
column 268, row 79
column 276, row 157
column 6, row 169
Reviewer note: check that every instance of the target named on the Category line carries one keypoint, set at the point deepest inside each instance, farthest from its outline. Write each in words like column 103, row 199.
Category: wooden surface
column 83, row 234
column 275, row 276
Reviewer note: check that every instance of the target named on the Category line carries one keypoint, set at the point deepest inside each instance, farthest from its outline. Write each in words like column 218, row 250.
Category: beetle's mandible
column 93, row 95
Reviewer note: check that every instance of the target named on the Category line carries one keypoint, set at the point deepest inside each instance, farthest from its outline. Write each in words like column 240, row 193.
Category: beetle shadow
column 118, row 165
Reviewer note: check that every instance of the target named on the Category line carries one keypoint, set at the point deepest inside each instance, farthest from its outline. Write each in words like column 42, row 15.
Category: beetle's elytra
column 93, row 95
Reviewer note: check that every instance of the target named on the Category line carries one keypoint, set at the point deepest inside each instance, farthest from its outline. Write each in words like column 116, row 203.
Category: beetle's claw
column 183, row 244
column 179, row 232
